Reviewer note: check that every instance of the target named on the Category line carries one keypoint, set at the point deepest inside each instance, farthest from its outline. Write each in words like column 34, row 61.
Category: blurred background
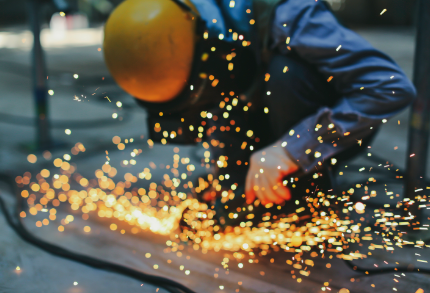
column 86, row 106
column 350, row 12
column 78, row 80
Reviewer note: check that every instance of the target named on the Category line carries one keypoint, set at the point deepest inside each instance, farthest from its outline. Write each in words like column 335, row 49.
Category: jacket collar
column 235, row 18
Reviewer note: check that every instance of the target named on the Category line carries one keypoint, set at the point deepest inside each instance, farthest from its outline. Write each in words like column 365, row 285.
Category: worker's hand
column 267, row 169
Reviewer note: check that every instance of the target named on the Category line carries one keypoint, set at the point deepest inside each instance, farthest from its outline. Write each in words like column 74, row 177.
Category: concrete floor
column 41, row 272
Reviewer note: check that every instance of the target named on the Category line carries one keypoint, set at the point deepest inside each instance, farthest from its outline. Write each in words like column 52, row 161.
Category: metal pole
column 43, row 139
column 419, row 123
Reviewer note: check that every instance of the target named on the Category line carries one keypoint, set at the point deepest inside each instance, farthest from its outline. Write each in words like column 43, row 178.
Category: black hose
column 380, row 160
column 374, row 271
column 17, row 225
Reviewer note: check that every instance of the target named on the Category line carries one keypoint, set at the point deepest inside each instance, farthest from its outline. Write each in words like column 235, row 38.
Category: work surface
column 145, row 251
column 42, row 272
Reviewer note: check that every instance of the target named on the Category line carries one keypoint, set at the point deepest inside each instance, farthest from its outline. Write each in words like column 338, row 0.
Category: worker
column 287, row 87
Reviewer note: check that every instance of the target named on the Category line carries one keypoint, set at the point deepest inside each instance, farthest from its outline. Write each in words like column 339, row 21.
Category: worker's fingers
column 257, row 188
column 250, row 197
column 276, row 188
column 249, row 180
column 288, row 194
column 279, row 190
column 285, row 192
column 268, row 195
column 249, row 191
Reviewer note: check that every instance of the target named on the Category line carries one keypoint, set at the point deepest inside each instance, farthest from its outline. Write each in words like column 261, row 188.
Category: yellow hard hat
column 149, row 47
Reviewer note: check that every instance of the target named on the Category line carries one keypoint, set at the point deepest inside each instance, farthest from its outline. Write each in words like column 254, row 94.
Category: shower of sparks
column 161, row 207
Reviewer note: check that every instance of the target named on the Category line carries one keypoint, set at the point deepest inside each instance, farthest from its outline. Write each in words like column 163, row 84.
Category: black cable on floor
column 375, row 271
column 17, row 225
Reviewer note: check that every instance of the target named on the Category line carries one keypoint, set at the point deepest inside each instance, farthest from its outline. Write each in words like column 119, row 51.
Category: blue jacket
column 371, row 84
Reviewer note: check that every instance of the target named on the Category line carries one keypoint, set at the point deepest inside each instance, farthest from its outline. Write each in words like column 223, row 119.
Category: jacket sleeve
column 372, row 87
